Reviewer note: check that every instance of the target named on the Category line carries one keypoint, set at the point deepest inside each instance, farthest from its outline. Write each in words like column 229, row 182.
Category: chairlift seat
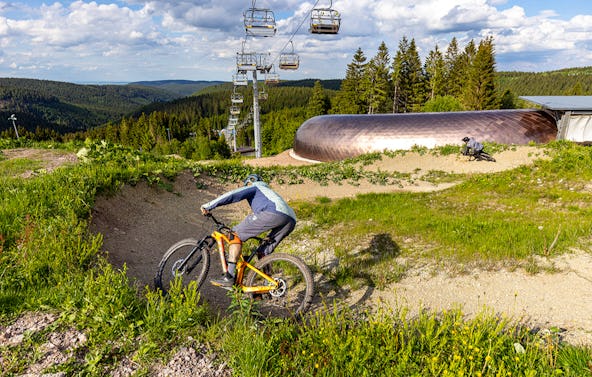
column 236, row 98
column 324, row 21
column 289, row 61
column 240, row 79
column 246, row 61
column 259, row 22
column 234, row 110
column 272, row 78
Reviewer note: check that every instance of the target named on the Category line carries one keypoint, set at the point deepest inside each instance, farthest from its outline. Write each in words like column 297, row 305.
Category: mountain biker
column 472, row 146
column 270, row 212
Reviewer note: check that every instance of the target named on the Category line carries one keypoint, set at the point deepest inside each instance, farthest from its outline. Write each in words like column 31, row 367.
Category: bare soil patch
column 51, row 159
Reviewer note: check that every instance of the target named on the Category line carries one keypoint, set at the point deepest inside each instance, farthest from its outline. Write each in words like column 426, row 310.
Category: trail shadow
column 350, row 279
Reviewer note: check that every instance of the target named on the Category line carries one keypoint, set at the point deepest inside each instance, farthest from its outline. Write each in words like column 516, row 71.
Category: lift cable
column 305, row 18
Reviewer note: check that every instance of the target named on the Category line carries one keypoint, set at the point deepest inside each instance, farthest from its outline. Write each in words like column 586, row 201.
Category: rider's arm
column 233, row 196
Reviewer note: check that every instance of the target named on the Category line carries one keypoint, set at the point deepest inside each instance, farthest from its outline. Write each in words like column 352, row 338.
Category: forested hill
column 182, row 88
column 66, row 107
column 572, row 81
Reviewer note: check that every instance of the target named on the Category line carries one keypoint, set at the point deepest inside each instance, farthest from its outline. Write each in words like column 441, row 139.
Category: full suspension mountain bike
column 281, row 283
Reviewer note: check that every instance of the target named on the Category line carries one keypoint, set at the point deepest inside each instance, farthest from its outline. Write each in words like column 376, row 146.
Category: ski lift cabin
column 259, row 22
column 289, row 60
column 325, row 20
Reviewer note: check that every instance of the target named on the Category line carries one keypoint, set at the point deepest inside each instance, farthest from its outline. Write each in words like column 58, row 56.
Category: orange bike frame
column 221, row 240
column 241, row 265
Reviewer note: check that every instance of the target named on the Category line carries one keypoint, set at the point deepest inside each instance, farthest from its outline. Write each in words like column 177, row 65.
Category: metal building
column 337, row 137
column 572, row 113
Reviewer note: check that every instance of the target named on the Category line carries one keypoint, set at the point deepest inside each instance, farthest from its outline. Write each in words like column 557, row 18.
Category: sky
column 107, row 41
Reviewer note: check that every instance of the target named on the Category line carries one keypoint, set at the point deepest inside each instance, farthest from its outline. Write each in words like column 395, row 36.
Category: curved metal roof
column 337, row 137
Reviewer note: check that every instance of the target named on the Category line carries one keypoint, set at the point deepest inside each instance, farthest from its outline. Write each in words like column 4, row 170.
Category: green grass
column 18, row 166
column 49, row 261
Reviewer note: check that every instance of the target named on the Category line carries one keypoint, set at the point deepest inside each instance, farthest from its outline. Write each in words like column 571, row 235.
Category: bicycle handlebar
column 219, row 224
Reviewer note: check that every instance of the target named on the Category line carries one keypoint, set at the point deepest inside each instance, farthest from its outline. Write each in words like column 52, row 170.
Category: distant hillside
column 214, row 100
column 182, row 88
column 67, row 107
column 570, row 81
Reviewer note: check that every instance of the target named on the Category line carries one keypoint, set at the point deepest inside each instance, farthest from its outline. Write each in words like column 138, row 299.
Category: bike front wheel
column 295, row 289
column 188, row 260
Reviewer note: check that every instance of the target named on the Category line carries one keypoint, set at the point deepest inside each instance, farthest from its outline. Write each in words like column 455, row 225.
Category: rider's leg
column 234, row 250
column 285, row 226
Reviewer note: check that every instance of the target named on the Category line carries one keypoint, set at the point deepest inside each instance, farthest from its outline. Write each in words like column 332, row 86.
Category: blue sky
column 133, row 40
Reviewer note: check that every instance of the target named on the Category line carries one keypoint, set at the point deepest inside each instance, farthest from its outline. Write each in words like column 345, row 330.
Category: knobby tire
column 168, row 268
column 294, row 297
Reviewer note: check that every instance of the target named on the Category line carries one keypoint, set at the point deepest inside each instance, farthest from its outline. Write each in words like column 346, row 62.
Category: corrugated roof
column 566, row 103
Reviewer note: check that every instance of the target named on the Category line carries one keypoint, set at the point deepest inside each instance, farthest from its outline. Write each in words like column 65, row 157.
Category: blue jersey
column 260, row 197
column 475, row 145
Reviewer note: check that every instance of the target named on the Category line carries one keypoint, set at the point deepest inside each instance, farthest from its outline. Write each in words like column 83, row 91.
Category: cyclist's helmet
column 466, row 139
column 252, row 178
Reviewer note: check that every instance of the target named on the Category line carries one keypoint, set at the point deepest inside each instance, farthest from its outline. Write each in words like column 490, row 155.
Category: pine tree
column 479, row 89
column 435, row 71
column 318, row 103
column 348, row 99
column 453, row 70
column 377, row 80
column 408, row 78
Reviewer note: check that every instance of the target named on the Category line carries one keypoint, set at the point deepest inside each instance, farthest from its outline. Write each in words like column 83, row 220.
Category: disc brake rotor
column 281, row 289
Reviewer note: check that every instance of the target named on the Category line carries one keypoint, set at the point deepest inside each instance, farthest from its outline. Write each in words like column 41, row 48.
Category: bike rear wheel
column 188, row 259
column 485, row 156
column 296, row 285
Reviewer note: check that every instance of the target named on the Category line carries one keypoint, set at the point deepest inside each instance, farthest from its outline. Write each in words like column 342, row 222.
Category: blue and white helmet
column 252, row 178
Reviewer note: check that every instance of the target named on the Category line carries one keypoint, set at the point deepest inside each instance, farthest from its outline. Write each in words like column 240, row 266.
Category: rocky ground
column 139, row 223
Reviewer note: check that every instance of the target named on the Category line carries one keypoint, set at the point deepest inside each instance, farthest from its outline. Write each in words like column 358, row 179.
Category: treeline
column 457, row 79
column 52, row 107
column 565, row 82
column 192, row 126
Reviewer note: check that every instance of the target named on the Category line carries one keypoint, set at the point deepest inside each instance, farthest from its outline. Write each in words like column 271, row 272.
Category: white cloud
column 137, row 39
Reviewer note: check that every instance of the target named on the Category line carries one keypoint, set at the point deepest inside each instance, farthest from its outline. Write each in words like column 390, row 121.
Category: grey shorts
column 253, row 225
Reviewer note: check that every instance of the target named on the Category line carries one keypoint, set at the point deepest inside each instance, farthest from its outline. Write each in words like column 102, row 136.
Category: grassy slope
column 44, row 220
